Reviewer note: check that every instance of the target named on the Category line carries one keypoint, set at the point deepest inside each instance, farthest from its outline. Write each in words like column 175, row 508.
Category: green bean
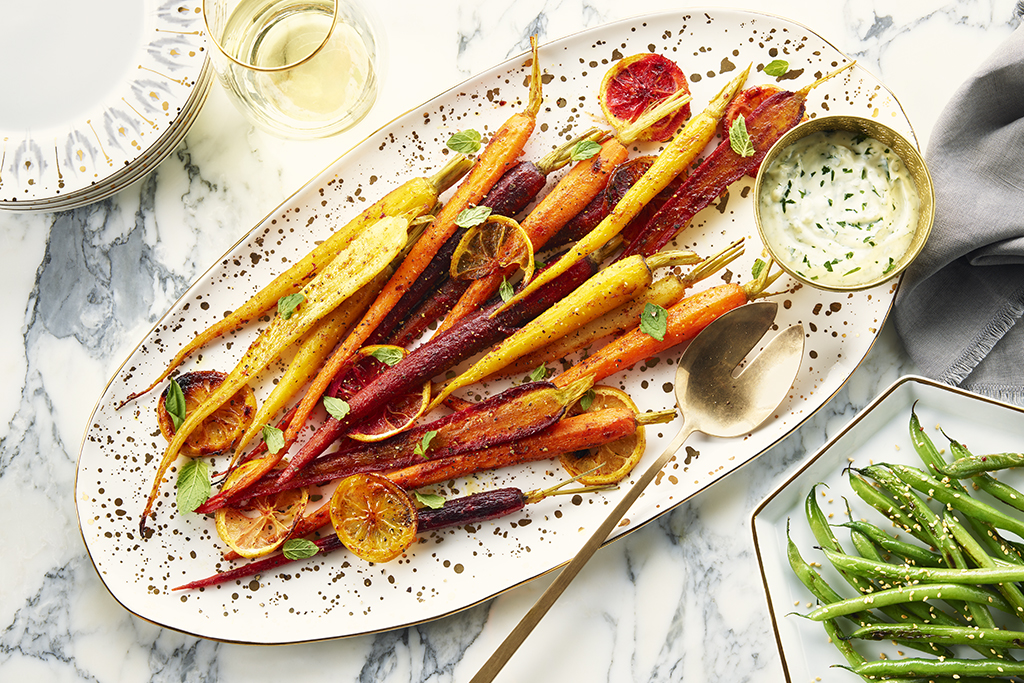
column 1010, row 591
column 814, row 582
column 935, row 463
column 908, row 551
column 973, row 465
column 887, row 668
column 942, row 493
column 950, row 635
column 906, row 594
column 988, row 483
column 908, row 574
column 888, row 507
column 822, row 532
column 920, row 511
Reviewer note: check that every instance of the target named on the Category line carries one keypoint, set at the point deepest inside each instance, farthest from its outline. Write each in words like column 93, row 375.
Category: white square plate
column 880, row 433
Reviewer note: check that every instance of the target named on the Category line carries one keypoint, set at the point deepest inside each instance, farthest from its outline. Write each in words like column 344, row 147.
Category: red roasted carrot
column 685, row 320
column 513, row 414
column 499, row 154
column 472, row 509
column 724, row 166
column 575, row 433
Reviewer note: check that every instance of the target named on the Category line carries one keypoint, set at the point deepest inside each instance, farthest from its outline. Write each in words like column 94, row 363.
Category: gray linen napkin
column 958, row 304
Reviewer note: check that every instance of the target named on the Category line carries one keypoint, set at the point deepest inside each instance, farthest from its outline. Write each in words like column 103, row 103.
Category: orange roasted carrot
column 505, row 146
column 573, row 192
column 684, row 321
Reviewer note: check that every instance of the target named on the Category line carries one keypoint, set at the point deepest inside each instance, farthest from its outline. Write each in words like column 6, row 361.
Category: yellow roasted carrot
column 312, row 352
column 606, row 290
column 418, row 196
column 665, row 292
column 672, row 161
column 367, row 254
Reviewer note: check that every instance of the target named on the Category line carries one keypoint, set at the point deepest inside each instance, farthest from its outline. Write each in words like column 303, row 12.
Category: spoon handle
column 526, row 625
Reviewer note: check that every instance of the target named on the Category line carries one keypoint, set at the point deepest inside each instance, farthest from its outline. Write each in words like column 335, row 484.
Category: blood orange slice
column 400, row 413
column 634, row 84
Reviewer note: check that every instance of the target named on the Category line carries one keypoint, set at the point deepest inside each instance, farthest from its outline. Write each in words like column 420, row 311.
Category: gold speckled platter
column 113, row 92
column 338, row 595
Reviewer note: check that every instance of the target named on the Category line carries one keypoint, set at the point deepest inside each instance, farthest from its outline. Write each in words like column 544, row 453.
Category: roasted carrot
column 442, row 352
column 665, row 292
column 434, row 293
column 367, row 254
column 500, row 153
column 575, row 433
column 472, row 509
column 724, row 166
column 417, row 196
column 569, row 196
column 675, row 158
column 685, row 320
column 608, row 289
column 312, row 352
column 512, row 415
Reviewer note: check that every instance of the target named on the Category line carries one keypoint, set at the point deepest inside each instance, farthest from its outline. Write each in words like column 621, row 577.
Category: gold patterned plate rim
column 63, row 165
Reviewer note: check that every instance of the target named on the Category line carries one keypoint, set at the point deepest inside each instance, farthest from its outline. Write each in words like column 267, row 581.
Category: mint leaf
column 430, row 500
column 336, row 408
column 739, row 139
column 777, row 67
column 286, row 305
column 505, row 290
column 465, row 141
column 273, row 437
column 193, row 486
column 388, row 355
column 587, row 399
column 476, row 215
column 299, row 548
column 584, row 149
column 539, row 373
column 654, row 321
column 424, row 444
column 175, row 404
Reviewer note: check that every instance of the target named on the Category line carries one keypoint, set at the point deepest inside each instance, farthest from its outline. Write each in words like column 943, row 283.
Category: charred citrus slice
column 494, row 245
column 634, row 84
column 263, row 525
column 613, row 461
column 373, row 517
column 400, row 413
column 221, row 430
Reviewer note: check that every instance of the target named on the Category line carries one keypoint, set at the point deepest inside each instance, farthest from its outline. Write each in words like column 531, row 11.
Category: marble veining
column 678, row 599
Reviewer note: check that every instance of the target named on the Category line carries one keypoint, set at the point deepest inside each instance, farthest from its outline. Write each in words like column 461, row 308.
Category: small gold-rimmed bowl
column 828, row 244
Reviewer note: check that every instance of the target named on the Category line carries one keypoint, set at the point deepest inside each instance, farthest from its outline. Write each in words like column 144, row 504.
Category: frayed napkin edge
column 980, row 347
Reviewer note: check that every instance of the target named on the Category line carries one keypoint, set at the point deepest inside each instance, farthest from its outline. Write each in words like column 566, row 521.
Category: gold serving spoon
column 714, row 399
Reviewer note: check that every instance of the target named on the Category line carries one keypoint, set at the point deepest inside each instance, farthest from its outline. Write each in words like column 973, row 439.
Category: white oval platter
column 338, row 595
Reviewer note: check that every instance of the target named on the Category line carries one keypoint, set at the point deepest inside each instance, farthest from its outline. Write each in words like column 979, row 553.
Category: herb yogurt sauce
column 839, row 208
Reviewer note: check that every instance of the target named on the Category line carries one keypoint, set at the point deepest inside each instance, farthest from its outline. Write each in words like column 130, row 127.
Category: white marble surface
column 679, row 599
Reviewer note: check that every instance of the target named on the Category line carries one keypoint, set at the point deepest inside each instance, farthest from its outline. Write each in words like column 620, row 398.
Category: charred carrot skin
column 769, row 122
column 587, row 430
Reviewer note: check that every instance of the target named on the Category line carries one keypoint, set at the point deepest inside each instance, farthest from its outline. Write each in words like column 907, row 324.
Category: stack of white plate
column 93, row 95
